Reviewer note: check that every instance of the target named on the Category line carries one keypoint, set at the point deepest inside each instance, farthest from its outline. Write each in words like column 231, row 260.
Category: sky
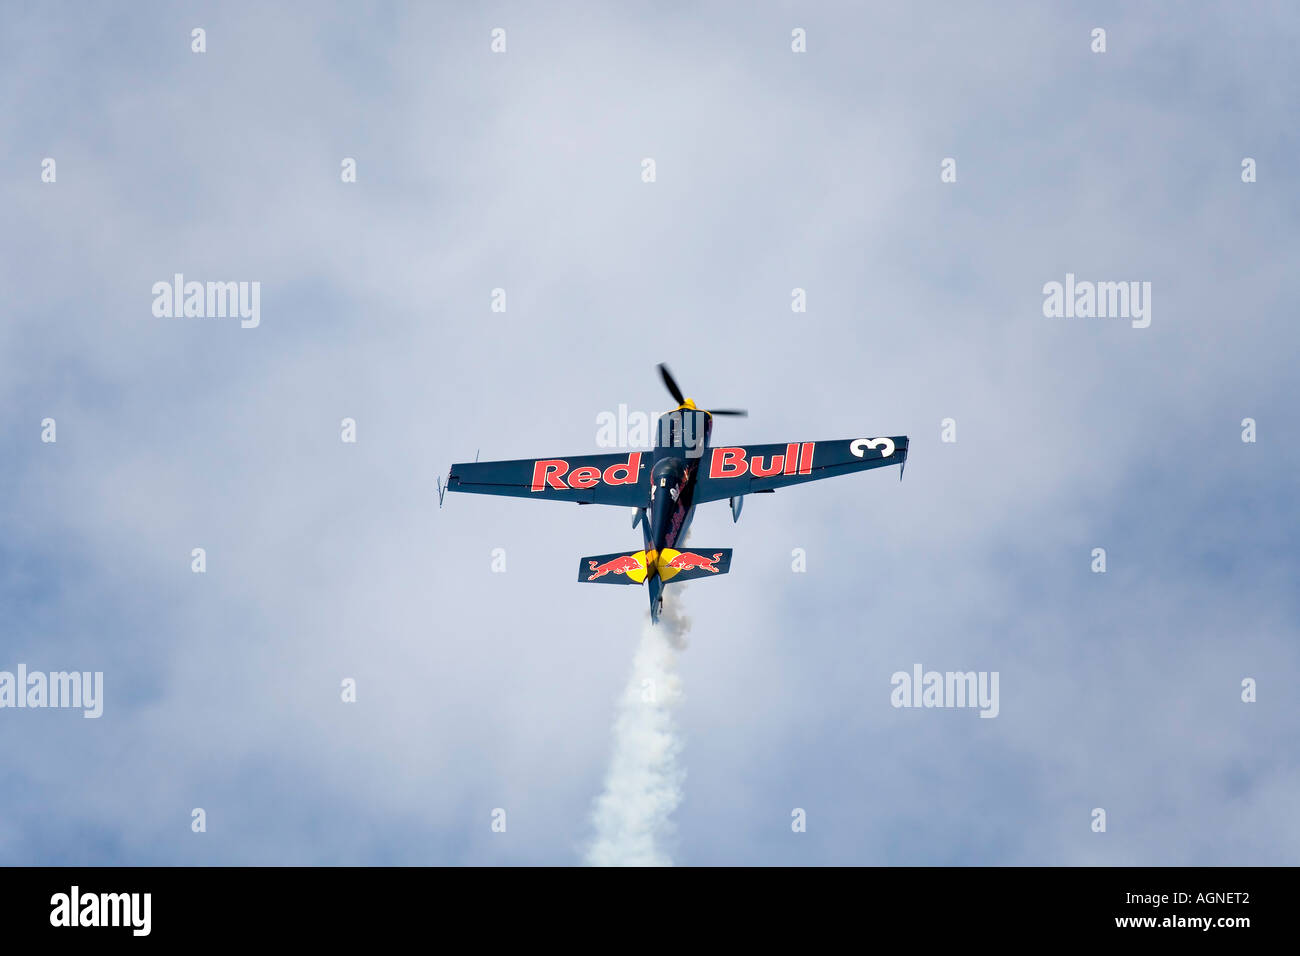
column 480, row 690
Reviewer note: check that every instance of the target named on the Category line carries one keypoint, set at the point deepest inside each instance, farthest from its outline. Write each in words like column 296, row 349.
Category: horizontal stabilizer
column 689, row 565
column 623, row 567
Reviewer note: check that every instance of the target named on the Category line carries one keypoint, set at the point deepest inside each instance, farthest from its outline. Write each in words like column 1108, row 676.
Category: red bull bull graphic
column 620, row 565
column 633, row 566
column 670, row 563
column 689, row 559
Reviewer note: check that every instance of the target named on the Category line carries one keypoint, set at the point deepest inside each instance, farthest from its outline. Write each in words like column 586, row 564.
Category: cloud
column 479, row 690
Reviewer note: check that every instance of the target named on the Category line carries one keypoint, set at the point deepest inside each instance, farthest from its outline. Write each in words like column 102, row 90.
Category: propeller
column 675, row 391
column 671, row 382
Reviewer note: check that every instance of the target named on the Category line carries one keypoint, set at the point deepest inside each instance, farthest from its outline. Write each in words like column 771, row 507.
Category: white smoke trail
column 644, row 783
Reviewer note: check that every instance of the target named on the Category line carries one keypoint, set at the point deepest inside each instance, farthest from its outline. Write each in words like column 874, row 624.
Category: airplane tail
column 654, row 570
column 633, row 567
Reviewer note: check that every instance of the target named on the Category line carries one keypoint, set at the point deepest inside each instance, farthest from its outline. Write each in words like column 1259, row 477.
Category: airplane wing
column 746, row 469
column 622, row 480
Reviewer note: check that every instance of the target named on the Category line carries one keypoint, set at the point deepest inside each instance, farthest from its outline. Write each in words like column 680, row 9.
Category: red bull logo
column 689, row 559
column 623, row 564
column 551, row 472
column 732, row 462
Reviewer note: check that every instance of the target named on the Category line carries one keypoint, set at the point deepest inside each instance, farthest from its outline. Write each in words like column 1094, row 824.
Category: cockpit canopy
column 668, row 473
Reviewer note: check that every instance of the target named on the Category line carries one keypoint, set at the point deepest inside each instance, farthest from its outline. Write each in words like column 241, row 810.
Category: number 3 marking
column 859, row 446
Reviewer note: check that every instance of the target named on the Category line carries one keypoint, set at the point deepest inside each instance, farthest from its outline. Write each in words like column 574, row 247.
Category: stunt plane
column 663, row 487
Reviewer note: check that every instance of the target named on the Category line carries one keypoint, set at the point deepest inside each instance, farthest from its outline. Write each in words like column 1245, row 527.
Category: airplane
column 663, row 487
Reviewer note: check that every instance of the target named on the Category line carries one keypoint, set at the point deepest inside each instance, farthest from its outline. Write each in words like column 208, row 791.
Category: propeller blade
column 738, row 412
column 671, row 383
